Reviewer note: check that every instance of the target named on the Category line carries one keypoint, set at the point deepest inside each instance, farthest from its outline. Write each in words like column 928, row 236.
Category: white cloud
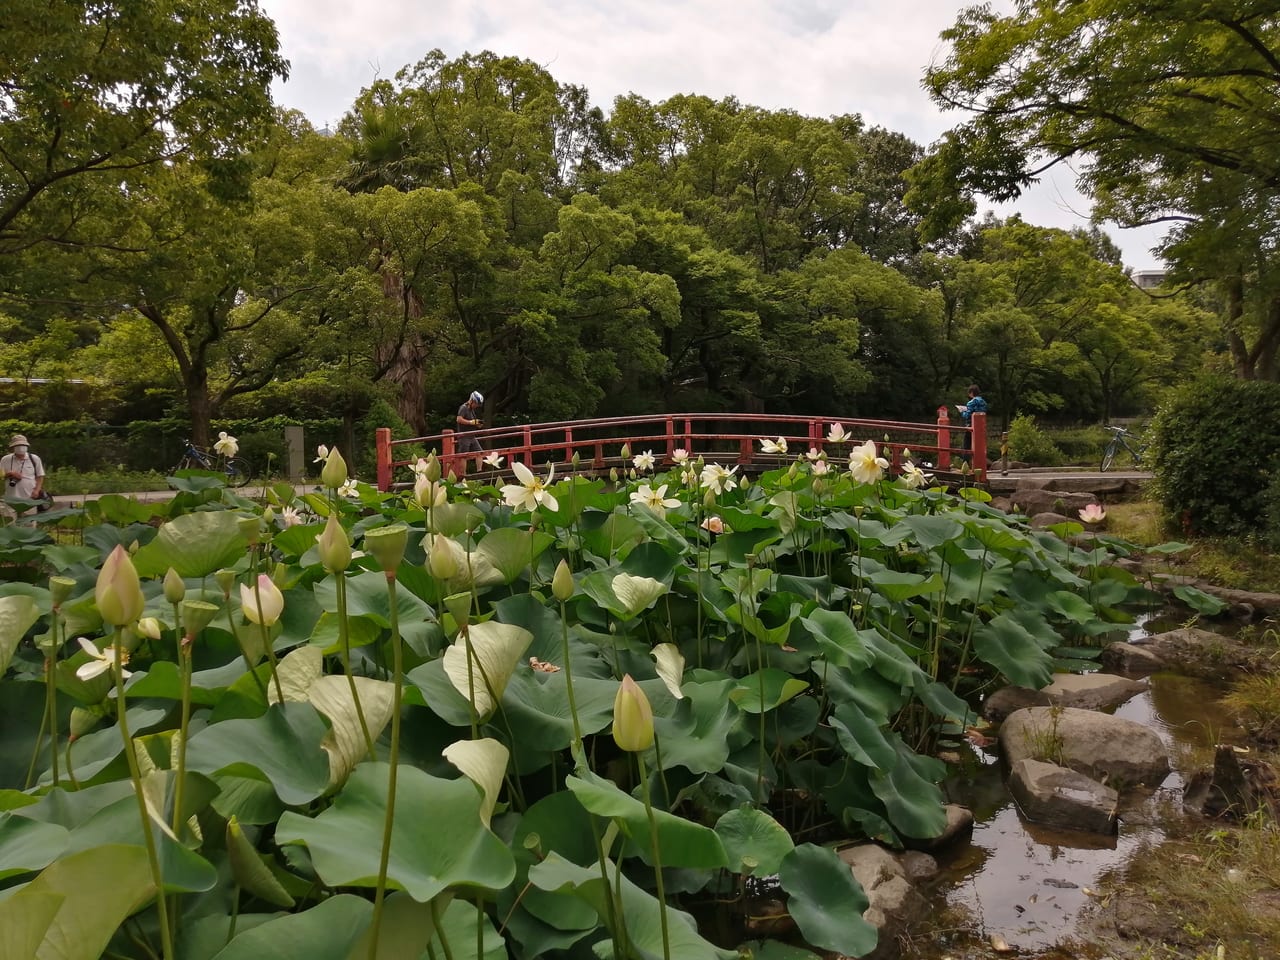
column 818, row 57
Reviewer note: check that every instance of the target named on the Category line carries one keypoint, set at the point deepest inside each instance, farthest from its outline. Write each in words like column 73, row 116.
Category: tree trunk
column 198, row 406
column 405, row 361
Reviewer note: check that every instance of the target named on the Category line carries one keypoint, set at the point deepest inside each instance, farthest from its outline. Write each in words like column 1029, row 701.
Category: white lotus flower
column 494, row 460
column 914, row 477
column 349, row 489
column 289, row 517
column 717, row 479
column 836, row 433
column 814, row 455
column 103, row 660
column 820, row 468
column 679, row 455
column 530, row 492
column 226, row 445
column 322, row 454
column 643, row 461
column 864, row 465
column 689, row 477
column 774, row 446
column 655, row 500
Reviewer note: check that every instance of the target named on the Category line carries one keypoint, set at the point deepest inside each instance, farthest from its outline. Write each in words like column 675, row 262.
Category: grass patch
column 68, row 482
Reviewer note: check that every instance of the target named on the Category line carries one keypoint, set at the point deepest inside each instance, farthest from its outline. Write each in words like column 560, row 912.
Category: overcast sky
column 819, row 57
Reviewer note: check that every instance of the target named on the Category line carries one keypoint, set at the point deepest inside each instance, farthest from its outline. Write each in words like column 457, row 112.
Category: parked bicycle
column 1122, row 439
column 236, row 469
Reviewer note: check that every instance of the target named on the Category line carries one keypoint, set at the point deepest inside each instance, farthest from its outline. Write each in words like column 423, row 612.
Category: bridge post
column 671, row 437
column 526, row 435
column 978, row 424
column 448, row 448
column 382, row 441
column 568, row 444
column 944, row 438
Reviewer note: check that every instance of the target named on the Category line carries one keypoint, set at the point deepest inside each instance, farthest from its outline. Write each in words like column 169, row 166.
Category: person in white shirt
column 23, row 474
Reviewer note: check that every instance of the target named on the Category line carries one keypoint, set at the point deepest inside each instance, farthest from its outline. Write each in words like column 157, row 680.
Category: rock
column 1032, row 501
column 1235, row 787
column 1008, row 700
column 959, row 822
column 1202, row 653
column 1088, row 691
column 1054, row 795
column 1131, row 659
column 919, row 867
column 1102, row 747
column 894, row 901
column 1043, row 521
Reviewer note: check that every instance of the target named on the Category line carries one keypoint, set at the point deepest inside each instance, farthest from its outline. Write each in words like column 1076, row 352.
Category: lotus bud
column 118, row 593
column 174, row 587
column 441, row 561
column 906, row 453
column 709, row 499
column 150, row 627
column 452, row 478
column 280, row 575
column 631, row 474
column 334, row 546
column 626, row 451
column 562, row 582
column 272, row 601
column 387, row 545
column 334, row 472
column 632, row 717
column 226, row 579
column 196, row 615
column 575, row 459
column 792, row 472
column 459, row 604
column 60, row 590
column 250, row 528
column 613, row 474
column 269, row 516
column 432, row 470
column 819, row 486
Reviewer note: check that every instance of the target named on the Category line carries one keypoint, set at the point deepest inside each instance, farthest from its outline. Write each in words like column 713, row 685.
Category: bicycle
column 236, row 469
column 1123, row 439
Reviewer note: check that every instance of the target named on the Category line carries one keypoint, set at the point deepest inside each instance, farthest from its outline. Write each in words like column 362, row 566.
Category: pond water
column 1027, row 884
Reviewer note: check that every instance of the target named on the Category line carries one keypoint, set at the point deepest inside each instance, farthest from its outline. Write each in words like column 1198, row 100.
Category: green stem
column 184, row 668
column 244, row 651
column 148, row 836
column 266, row 642
column 655, row 851
column 568, row 682
column 435, row 919
column 35, row 753
column 344, row 640
column 397, row 657
column 51, row 706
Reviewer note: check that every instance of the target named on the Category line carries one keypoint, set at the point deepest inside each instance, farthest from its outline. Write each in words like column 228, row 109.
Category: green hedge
column 1216, row 453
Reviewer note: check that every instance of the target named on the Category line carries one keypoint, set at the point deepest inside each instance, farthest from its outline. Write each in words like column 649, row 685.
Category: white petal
column 484, row 763
column 87, row 671
column 550, row 502
column 670, row 667
column 523, row 473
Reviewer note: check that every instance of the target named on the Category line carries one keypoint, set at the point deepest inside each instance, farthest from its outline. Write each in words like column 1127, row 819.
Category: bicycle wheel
column 183, row 464
column 1109, row 455
column 238, row 471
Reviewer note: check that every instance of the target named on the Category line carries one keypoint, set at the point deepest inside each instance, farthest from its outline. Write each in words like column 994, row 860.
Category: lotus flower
column 494, row 461
column 226, row 445
column 914, row 477
column 774, row 446
column 679, row 455
column 644, row 461
column 864, row 465
column 836, row 434
column 655, row 500
column 349, row 489
column 713, row 525
column 530, row 492
column 103, row 660
column 272, row 601
column 118, row 593
column 632, row 717
column 820, row 468
column 1093, row 513
column 717, row 479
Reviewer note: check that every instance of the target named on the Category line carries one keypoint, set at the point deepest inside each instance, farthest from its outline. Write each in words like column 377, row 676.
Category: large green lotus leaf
column 25, row 919
column 1199, row 601
column 345, row 742
column 1070, row 606
column 361, row 631
column 28, row 845
column 776, row 950
column 826, row 901
column 537, row 707
column 248, row 799
column 529, row 611
column 640, row 908
column 195, row 544
column 697, row 733
column 513, row 551
column 941, row 699
column 1009, row 647
column 997, row 535
column 915, row 804
column 438, row 840
column 556, row 822
column 932, row 530
column 17, row 614
column 283, row 746
column 972, row 581
column 163, row 679
column 897, row 586
column 754, row 842
column 325, row 932
column 408, row 927
column 841, row 642
column 862, row 738
column 682, row 842
column 611, row 535
column 367, row 596
column 64, row 556
column 21, row 730
column 765, row 689
column 97, row 890
column 453, row 519
column 439, row 694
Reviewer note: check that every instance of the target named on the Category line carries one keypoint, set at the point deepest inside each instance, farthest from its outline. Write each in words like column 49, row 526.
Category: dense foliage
column 1217, row 452
column 556, row 714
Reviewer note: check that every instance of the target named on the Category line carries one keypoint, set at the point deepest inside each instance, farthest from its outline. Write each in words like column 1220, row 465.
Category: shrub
column 1216, row 448
column 1029, row 444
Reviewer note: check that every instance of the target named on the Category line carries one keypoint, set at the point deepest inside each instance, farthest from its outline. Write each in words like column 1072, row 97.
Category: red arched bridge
column 716, row 437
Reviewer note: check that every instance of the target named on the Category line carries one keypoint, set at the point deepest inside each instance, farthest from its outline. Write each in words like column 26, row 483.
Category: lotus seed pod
column 250, row 528
column 196, row 615
column 387, row 545
column 226, row 579
column 60, row 590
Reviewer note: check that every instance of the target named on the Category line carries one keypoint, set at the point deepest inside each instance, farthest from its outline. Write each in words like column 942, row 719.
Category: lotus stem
column 344, row 642
column 397, row 658
column 656, row 852
column 266, row 641
column 184, row 670
column 244, row 651
column 135, row 774
column 435, row 920
column 578, row 756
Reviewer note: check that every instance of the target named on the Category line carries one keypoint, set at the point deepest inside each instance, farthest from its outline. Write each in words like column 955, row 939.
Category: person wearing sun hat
column 23, row 473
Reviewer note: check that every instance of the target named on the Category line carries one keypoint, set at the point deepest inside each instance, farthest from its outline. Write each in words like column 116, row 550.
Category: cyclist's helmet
column 477, row 396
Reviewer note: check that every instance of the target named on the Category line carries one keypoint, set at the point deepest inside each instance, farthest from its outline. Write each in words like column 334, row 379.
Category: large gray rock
column 1032, row 501
column 1088, row 691
column 894, row 901
column 1131, row 659
column 1054, row 795
column 1105, row 748
column 1203, row 653
column 959, row 823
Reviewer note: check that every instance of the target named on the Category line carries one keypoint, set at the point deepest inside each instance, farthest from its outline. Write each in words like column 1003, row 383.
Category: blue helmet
column 476, row 396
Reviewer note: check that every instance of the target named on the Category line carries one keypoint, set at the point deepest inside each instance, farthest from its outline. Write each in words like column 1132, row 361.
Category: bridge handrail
column 532, row 442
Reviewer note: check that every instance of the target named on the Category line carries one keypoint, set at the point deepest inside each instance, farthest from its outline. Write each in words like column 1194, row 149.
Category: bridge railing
column 717, row 437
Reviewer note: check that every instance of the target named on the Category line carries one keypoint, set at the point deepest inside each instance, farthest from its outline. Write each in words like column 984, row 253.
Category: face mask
column 20, row 450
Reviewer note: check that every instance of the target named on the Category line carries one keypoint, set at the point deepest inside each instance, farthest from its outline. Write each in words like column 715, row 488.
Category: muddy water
column 1027, row 884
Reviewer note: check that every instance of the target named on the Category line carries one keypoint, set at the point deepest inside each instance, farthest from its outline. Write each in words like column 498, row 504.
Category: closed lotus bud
column 334, row 472
column 196, row 615
column 432, row 469
column 575, row 459
column 334, row 546
column 791, row 473
column 632, row 717
column 226, row 579
column 819, row 486
column 133, row 547
column 709, row 499
column 269, row 516
column 441, row 561
column 151, row 628
column 626, row 451
column 264, row 605
column 118, row 593
column 280, row 575
column 60, row 590
column 613, row 474
column 174, row 588
column 387, row 545
column 84, row 719
column 562, row 582
column 250, row 528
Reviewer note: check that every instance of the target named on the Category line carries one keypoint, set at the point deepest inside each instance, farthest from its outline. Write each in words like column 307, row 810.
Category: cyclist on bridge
column 468, row 420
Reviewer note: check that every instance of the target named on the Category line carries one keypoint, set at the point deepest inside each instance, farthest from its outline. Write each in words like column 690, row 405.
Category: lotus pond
column 560, row 717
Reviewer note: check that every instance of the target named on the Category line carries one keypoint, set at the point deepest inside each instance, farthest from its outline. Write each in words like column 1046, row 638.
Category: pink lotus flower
column 1093, row 513
column 713, row 525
